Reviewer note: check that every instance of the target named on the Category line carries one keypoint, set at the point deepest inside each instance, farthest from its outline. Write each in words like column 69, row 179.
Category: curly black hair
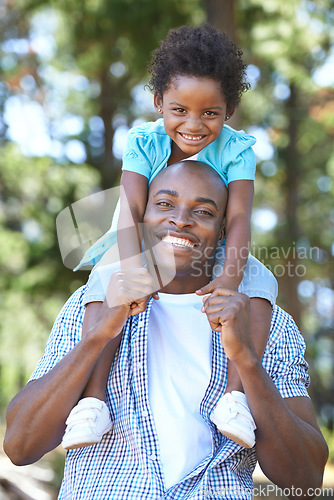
column 199, row 51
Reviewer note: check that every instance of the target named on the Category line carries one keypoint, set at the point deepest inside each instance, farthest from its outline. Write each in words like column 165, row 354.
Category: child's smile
column 194, row 110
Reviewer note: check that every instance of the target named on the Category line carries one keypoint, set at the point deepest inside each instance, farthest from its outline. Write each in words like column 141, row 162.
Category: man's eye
column 204, row 212
column 163, row 204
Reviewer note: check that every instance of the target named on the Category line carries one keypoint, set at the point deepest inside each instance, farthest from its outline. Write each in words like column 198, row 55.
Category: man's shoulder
column 74, row 305
column 283, row 328
column 279, row 317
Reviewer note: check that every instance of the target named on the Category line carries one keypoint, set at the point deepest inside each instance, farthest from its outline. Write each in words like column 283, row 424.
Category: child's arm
column 133, row 199
column 238, row 235
column 238, row 231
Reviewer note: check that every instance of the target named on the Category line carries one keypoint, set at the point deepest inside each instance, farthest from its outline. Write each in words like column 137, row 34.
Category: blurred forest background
column 73, row 77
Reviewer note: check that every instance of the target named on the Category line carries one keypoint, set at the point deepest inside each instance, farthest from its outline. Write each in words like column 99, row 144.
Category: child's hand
column 129, row 291
column 141, row 304
column 228, row 312
column 219, row 282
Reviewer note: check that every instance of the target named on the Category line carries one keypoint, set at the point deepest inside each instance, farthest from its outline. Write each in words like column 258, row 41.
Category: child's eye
column 210, row 113
column 179, row 110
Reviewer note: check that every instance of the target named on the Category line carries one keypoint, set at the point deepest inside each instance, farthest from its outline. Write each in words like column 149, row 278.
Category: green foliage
column 34, row 283
column 288, row 44
column 98, row 54
column 85, row 39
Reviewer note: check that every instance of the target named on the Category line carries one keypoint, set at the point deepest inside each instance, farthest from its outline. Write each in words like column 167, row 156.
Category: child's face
column 194, row 112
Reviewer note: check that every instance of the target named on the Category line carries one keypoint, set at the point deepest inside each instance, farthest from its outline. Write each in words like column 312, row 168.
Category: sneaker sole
column 75, row 446
column 237, row 439
column 89, row 441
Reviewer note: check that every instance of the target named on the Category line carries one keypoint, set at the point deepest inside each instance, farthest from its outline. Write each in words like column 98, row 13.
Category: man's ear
column 157, row 100
column 221, row 234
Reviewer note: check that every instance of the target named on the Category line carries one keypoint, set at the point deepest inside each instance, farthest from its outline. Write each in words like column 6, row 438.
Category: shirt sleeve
column 231, row 155
column 284, row 356
column 65, row 334
column 139, row 153
column 98, row 282
column 242, row 163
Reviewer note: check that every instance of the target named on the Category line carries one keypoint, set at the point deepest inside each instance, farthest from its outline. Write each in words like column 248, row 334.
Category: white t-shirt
column 179, row 370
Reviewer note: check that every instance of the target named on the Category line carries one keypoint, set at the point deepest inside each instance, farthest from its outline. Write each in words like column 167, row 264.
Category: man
column 170, row 371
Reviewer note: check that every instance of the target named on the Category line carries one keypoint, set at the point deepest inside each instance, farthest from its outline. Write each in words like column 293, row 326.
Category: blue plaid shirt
column 125, row 465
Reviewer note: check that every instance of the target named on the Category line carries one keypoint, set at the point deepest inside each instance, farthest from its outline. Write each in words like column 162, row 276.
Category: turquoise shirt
column 148, row 149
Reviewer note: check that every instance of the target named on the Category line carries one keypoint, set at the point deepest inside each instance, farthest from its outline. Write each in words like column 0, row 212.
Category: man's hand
column 229, row 312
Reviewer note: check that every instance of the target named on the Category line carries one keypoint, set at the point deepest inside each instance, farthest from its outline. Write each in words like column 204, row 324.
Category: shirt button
column 141, row 323
column 152, row 457
column 145, row 413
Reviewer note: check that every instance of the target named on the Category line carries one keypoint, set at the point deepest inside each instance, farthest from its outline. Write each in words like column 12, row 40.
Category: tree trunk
column 290, row 280
column 221, row 15
column 110, row 167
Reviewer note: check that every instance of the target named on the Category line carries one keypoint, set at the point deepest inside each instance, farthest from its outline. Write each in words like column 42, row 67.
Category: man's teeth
column 193, row 137
column 180, row 242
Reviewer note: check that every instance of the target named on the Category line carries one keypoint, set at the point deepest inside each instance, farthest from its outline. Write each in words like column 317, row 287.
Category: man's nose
column 181, row 218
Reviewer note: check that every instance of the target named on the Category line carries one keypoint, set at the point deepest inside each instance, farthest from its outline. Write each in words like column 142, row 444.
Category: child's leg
column 231, row 414
column 96, row 386
column 260, row 319
column 261, row 286
column 90, row 418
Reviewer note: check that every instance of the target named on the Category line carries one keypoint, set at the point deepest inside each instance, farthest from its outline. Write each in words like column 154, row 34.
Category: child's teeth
column 193, row 137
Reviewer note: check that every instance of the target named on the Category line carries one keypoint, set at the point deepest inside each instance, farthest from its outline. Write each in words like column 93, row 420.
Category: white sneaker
column 233, row 418
column 86, row 424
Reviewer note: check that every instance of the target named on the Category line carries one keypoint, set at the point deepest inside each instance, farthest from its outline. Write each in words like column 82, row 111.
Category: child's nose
column 194, row 124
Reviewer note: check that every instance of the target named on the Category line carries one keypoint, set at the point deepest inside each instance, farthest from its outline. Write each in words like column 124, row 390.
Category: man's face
column 184, row 215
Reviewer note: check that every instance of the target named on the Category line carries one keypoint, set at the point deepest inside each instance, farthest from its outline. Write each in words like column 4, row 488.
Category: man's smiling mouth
column 178, row 242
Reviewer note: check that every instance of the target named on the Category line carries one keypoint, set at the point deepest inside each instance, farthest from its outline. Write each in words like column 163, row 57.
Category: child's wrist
column 232, row 283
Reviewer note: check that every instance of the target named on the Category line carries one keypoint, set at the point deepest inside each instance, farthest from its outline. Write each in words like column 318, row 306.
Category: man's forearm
column 36, row 416
column 289, row 445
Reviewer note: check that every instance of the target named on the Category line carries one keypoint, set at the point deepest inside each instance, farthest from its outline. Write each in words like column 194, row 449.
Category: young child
column 198, row 77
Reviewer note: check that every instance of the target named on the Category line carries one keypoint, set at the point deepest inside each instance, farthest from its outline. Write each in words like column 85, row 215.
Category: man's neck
column 183, row 285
